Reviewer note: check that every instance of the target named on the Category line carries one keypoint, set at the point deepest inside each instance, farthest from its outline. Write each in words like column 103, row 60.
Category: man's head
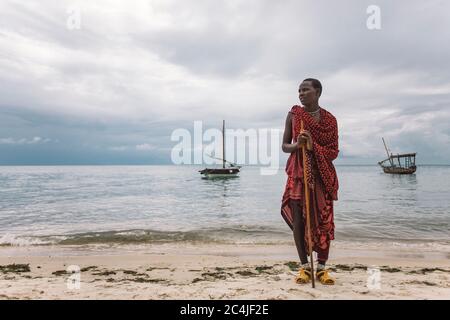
column 309, row 91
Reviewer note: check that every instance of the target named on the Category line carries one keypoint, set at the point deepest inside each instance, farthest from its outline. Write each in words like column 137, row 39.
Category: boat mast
column 389, row 157
column 223, row 144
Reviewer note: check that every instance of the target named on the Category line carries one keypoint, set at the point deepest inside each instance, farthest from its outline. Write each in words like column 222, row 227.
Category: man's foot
column 303, row 275
column 324, row 277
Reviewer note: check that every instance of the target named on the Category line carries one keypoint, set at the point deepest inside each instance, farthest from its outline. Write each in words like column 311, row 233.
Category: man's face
column 307, row 93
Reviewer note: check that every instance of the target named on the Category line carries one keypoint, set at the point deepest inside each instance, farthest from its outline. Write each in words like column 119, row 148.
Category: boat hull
column 396, row 170
column 220, row 173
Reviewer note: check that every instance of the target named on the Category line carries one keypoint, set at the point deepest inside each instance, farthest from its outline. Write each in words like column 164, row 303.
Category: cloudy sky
column 108, row 82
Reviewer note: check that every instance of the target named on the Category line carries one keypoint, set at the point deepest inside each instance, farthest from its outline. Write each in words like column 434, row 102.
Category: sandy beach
column 205, row 271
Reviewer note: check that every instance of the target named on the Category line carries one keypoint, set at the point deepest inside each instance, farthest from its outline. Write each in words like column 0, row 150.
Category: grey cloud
column 128, row 78
column 210, row 52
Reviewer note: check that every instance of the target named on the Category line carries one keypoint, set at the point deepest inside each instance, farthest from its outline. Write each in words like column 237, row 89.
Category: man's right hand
column 301, row 141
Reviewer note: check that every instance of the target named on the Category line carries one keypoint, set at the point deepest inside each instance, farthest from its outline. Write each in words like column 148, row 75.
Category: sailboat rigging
column 407, row 166
column 231, row 171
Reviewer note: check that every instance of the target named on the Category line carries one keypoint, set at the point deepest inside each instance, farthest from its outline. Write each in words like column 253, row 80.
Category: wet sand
column 200, row 271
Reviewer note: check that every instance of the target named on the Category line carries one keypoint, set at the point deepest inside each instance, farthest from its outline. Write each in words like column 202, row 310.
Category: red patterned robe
column 321, row 177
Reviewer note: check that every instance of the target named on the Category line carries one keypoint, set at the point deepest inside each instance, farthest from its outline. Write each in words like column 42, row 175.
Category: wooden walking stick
column 308, row 220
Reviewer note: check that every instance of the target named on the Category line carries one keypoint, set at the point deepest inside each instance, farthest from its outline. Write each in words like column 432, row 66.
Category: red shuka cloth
column 321, row 176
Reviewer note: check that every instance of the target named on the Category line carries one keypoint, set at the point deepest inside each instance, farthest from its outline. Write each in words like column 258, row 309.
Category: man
column 320, row 138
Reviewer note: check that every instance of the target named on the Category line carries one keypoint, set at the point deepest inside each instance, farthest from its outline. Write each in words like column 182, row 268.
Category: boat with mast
column 398, row 164
column 228, row 169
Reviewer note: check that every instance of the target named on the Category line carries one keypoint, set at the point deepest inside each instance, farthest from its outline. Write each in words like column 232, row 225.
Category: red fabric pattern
column 322, row 178
column 325, row 144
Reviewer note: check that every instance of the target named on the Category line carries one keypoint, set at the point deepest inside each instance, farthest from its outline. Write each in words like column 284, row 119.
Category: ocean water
column 72, row 205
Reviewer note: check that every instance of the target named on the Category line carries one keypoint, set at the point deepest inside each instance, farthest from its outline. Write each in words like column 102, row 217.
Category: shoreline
column 204, row 271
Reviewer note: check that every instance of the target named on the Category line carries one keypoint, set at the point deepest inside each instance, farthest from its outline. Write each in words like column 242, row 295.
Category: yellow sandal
column 324, row 277
column 303, row 276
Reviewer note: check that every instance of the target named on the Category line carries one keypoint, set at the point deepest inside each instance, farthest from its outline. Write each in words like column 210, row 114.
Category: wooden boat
column 398, row 164
column 229, row 171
